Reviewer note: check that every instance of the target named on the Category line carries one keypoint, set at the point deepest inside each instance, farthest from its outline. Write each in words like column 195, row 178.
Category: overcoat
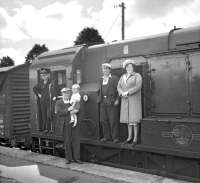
column 131, row 106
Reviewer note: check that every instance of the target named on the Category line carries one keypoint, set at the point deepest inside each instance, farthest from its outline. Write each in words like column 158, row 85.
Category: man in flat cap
column 70, row 132
column 44, row 91
column 109, row 102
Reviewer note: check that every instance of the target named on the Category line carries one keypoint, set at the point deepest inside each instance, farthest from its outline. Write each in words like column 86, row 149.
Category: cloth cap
column 65, row 90
column 44, row 71
column 128, row 61
column 106, row 65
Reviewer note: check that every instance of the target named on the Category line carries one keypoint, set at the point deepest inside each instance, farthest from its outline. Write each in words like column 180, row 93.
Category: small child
column 75, row 103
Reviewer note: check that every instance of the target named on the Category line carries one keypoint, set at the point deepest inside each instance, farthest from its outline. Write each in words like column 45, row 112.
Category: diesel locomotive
column 170, row 128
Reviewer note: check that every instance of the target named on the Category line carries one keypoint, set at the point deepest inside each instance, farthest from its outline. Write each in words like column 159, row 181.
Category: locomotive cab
column 63, row 68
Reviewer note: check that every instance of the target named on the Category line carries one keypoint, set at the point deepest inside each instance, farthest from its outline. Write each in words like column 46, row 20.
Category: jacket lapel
column 109, row 84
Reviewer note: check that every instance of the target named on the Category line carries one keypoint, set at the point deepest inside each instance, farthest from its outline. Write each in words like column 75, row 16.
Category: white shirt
column 106, row 79
column 66, row 101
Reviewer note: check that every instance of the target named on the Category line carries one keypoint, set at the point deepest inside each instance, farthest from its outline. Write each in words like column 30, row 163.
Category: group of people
column 112, row 93
column 65, row 109
column 128, row 89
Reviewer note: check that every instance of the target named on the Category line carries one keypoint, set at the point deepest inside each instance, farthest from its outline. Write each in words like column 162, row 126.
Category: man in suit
column 109, row 102
column 70, row 132
column 44, row 91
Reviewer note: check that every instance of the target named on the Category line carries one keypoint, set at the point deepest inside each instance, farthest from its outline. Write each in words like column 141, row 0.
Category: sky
column 56, row 23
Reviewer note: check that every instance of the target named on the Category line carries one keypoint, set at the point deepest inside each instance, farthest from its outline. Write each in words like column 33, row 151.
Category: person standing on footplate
column 129, row 89
column 109, row 101
column 44, row 91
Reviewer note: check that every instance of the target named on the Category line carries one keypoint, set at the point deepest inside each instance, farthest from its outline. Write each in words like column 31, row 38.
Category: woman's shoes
column 127, row 141
column 134, row 143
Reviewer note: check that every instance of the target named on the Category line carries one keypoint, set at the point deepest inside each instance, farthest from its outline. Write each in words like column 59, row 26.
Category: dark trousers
column 109, row 121
column 46, row 116
column 71, row 141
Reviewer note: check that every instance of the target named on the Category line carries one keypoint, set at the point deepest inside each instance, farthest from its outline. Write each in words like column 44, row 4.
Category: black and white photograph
column 99, row 91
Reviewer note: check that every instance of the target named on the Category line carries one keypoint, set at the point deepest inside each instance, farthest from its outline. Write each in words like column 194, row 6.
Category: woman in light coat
column 129, row 88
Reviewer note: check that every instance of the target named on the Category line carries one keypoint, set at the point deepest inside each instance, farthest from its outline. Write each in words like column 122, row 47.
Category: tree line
column 88, row 36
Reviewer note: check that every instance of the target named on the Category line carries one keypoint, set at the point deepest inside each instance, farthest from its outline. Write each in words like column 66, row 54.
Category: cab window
column 59, row 79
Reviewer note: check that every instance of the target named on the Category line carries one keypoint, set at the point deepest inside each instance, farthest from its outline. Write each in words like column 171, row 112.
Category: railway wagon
column 170, row 127
column 15, row 105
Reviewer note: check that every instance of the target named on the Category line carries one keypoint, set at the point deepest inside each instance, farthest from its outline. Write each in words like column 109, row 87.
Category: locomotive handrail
column 169, row 35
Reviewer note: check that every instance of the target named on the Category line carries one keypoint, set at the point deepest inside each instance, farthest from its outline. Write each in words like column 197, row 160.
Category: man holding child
column 66, row 109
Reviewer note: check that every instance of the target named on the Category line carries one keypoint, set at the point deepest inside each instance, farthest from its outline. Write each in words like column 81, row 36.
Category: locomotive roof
column 62, row 56
column 175, row 39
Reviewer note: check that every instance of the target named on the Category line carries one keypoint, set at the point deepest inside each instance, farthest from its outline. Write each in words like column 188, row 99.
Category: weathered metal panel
column 94, row 57
column 195, row 82
column 171, row 133
column 168, row 84
column 89, row 127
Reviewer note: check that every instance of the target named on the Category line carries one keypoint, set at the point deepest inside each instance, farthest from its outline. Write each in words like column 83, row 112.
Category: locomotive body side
column 170, row 127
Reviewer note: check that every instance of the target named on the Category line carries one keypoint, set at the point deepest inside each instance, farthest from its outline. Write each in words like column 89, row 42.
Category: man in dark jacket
column 109, row 102
column 45, row 97
column 70, row 132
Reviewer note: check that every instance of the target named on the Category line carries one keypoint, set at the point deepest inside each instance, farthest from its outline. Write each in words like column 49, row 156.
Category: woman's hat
column 106, row 65
column 128, row 61
column 65, row 90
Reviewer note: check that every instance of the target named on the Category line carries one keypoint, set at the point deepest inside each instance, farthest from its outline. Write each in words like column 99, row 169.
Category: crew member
column 109, row 101
column 45, row 97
